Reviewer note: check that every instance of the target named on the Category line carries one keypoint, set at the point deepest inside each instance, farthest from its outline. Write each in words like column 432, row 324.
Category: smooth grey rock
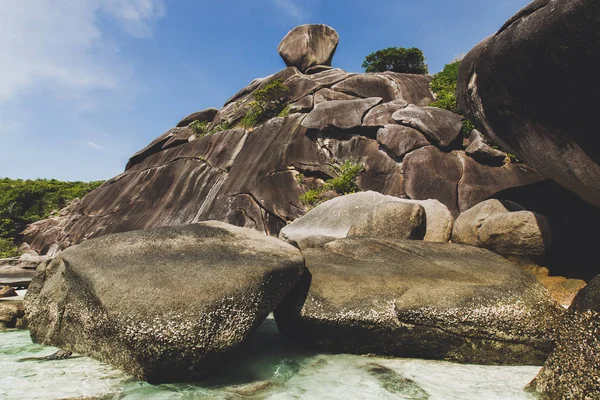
column 414, row 88
column 308, row 45
column 394, row 220
column 317, row 68
column 441, row 126
column 334, row 218
column 438, row 181
column 329, row 95
column 381, row 115
column 205, row 115
column 409, row 298
column 573, row 369
column 343, row 114
column 519, row 233
column 399, row 140
column 167, row 304
column 525, row 88
column 481, row 151
column 468, row 222
column 303, row 105
column 330, row 77
column 368, row 85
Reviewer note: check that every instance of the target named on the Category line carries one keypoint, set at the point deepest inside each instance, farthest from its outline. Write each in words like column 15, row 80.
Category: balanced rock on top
column 308, row 45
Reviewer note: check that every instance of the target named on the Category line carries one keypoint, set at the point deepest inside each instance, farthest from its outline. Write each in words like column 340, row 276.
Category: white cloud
column 292, row 8
column 59, row 45
column 94, row 145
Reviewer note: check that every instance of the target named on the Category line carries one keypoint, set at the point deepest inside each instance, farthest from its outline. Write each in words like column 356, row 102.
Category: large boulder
column 203, row 116
column 308, row 45
column 168, row 304
column 342, row 114
column 504, row 228
column 334, row 218
column 527, row 89
column 12, row 315
column 573, row 370
column 441, row 127
column 416, row 299
column 393, row 220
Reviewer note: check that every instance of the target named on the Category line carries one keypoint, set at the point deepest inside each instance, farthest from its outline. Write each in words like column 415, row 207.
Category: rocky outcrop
column 417, row 299
column 393, row 220
column 203, row 116
column 307, row 46
column 254, row 177
column 481, row 151
column 7, row 291
column 335, row 218
column 504, row 228
column 573, row 370
column 526, row 89
column 12, row 315
column 168, row 304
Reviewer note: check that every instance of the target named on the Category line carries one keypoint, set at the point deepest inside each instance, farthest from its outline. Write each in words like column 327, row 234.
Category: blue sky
column 86, row 83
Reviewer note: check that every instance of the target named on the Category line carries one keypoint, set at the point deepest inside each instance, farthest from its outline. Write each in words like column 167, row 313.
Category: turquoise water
column 268, row 368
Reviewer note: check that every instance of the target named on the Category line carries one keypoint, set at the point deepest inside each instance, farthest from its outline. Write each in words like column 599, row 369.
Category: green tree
column 396, row 59
column 25, row 201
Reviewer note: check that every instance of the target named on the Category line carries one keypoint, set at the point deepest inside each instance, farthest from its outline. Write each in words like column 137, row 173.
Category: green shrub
column 268, row 102
column 25, row 201
column 223, row 126
column 396, row 59
column 8, row 248
column 199, row 127
column 344, row 183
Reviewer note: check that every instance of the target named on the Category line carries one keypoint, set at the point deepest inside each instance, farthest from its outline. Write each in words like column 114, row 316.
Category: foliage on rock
column 344, row 183
column 23, row 202
column 199, row 127
column 396, row 59
column 268, row 102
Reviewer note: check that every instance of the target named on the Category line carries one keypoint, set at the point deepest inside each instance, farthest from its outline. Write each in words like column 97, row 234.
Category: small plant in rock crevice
column 199, row 127
column 344, row 183
column 269, row 102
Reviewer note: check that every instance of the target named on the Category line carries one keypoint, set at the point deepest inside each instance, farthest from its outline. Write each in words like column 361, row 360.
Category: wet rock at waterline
column 416, row 299
column 12, row 314
column 573, row 370
column 309, row 45
column 335, row 218
column 168, row 304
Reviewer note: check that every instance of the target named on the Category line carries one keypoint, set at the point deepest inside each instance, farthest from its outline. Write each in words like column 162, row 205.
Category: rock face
column 308, row 45
column 12, row 315
column 254, row 178
column 573, row 370
column 203, row 116
column 168, row 304
column 394, row 220
column 335, row 218
column 493, row 226
column 417, row 299
column 525, row 89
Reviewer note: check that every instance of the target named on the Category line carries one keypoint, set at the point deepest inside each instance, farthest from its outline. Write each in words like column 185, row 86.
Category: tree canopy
column 25, row 201
column 396, row 59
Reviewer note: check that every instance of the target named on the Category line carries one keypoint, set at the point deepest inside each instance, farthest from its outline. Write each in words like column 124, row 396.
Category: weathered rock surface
column 334, row 219
column 526, row 88
column 168, row 304
column 254, row 178
column 203, row 116
column 442, row 127
column 398, row 140
column 520, row 233
column 481, row 151
column 7, row 291
column 309, row 45
column 342, row 114
column 394, row 220
column 573, row 369
column 12, row 315
column 504, row 228
column 417, row 299
column 562, row 289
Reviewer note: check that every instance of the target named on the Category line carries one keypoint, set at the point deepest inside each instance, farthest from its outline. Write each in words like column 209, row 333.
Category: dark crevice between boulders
column 269, row 216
